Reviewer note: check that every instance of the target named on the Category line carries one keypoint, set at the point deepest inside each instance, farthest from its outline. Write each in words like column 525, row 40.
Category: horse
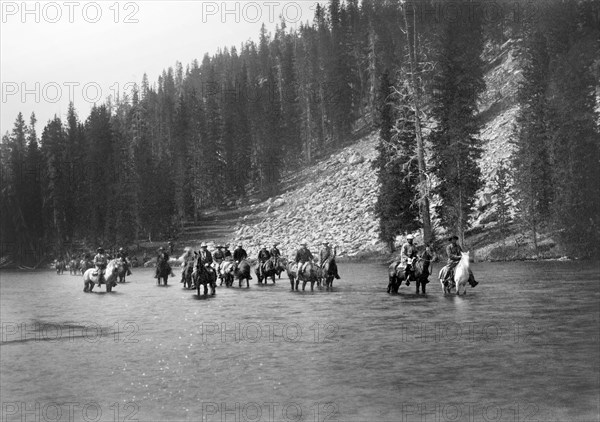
column 419, row 273
column 462, row 274
column 241, row 271
column 308, row 275
column 204, row 276
column 292, row 272
column 121, row 270
column 91, row 277
column 164, row 270
column 60, row 266
column 280, row 265
column 187, row 276
column 328, row 272
column 226, row 270
column 73, row 266
column 268, row 270
column 84, row 265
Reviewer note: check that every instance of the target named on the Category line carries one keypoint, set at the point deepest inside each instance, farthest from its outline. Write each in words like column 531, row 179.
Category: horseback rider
column 171, row 247
column 100, row 262
column 263, row 256
column 204, row 258
column 219, row 255
column 275, row 252
column 454, row 253
column 303, row 256
column 122, row 255
column 239, row 253
column 163, row 258
column 407, row 253
column 328, row 255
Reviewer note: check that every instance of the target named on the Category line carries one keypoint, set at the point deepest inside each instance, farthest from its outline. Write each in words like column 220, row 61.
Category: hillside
column 334, row 198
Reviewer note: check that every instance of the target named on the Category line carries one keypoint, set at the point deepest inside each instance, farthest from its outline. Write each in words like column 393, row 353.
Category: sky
column 53, row 52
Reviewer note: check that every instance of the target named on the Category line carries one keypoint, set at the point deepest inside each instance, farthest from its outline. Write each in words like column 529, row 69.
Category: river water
column 522, row 346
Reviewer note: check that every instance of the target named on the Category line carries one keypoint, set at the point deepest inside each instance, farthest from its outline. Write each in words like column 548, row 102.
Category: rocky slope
column 332, row 200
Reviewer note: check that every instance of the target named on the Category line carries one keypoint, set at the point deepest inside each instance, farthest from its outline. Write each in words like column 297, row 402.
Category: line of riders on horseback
column 412, row 266
column 203, row 268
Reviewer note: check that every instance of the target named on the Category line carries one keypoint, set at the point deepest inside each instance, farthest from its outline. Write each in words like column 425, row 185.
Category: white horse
column 461, row 275
column 110, row 277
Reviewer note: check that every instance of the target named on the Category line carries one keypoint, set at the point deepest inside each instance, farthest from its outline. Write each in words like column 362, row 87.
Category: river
column 522, row 346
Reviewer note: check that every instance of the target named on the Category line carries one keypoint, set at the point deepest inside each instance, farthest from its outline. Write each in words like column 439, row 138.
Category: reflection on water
column 521, row 346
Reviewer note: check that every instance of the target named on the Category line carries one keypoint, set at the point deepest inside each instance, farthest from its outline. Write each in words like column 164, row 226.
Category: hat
column 410, row 237
column 453, row 237
column 239, row 244
column 203, row 245
column 263, row 247
column 275, row 243
column 325, row 242
column 120, row 249
column 161, row 249
column 303, row 242
column 219, row 246
column 100, row 249
column 226, row 245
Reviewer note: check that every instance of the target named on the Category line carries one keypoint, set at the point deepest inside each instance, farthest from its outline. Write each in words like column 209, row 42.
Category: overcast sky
column 85, row 50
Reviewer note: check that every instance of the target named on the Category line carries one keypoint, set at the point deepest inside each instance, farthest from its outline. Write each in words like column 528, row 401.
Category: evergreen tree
column 397, row 168
column 455, row 145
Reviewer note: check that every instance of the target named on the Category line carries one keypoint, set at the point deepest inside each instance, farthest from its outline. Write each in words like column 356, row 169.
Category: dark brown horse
column 241, row 271
column 266, row 270
column 205, row 276
column 309, row 274
column 419, row 273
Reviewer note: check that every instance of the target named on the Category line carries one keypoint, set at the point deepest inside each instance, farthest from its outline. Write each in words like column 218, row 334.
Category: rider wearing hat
column 454, row 253
column 204, row 256
column 303, row 256
column 275, row 252
column 263, row 256
column 122, row 255
column 239, row 253
column 407, row 253
column 100, row 262
column 219, row 255
column 327, row 255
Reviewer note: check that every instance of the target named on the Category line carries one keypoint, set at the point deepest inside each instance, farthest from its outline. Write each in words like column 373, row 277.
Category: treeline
column 203, row 135
column 434, row 87
column 211, row 133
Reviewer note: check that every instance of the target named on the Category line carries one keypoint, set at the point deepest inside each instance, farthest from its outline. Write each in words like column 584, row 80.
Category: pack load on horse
column 104, row 272
column 204, row 274
column 163, row 268
column 85, row 263
column 456, row 273
column 220, row 260
column 266, row 266
column 187, row 267
column 327, row 264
